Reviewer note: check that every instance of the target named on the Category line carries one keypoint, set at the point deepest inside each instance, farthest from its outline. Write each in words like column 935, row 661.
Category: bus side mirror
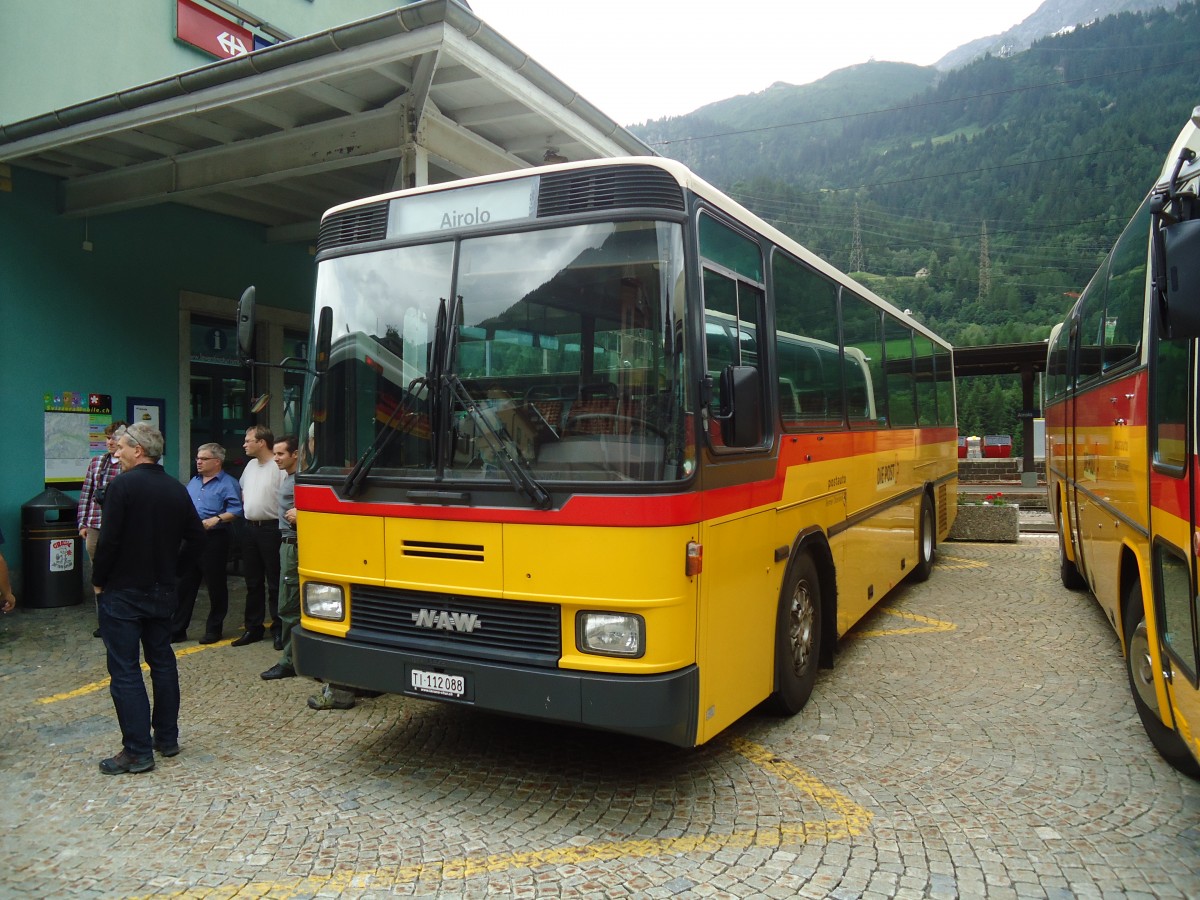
column 1181, row 277
column 324, row 337
column 741, row 406
column 245, row 324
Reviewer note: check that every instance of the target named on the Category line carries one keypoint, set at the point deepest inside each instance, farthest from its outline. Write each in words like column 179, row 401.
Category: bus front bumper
column 661, row 707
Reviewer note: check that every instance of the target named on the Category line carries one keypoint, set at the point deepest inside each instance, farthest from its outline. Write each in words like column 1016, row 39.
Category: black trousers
column 260, row 566
column 210, row 569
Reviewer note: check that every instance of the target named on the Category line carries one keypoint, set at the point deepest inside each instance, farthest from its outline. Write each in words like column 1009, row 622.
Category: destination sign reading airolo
column 471, row 207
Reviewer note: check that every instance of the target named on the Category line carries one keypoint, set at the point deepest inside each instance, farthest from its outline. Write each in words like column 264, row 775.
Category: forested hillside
column 983, row 199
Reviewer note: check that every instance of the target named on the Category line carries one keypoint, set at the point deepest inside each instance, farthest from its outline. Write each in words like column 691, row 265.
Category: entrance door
column 220, row 391
column 1174, row 534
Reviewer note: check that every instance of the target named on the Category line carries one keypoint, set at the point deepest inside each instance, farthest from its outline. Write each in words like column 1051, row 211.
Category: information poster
column 74, row 433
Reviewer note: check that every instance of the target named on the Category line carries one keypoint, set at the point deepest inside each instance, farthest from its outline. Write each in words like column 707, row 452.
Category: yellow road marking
column 850, row 819
column 963, row 563
column 103, row 683
column 928, row 626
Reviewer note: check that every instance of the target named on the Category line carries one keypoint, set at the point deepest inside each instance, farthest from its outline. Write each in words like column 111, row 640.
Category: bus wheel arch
column 804, row 619
column 1068, row 571
column 1139, row 664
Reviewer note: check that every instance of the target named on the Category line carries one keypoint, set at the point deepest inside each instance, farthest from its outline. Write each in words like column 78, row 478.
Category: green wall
column 55, row 53
column 108, row 320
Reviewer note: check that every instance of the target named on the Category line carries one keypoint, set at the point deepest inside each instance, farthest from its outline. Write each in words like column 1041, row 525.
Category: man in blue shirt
column 217, row 497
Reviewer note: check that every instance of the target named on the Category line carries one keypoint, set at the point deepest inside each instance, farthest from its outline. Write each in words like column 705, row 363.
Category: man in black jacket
column 151, row 533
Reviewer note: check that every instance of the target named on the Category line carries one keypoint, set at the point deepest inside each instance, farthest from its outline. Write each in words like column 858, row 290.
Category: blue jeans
column 129, row 617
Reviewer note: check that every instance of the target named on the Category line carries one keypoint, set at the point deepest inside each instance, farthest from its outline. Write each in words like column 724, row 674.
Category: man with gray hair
column 218, row 501
column 151, row 533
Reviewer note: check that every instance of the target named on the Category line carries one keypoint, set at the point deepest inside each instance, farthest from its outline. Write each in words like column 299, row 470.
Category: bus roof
column 687, row 179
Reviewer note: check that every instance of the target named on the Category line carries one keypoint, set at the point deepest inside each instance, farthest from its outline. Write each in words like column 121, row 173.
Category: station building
column 166, row 154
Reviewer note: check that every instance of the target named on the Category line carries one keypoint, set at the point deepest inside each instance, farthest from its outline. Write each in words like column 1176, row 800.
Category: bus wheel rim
column 1141, row 667
column 800, row 628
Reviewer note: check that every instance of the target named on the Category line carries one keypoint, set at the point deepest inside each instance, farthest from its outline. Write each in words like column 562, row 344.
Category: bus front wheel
column 797, row 637
column 1140, row 668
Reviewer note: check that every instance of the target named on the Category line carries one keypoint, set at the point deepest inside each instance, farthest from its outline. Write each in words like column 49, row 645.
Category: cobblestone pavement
column 976, row 739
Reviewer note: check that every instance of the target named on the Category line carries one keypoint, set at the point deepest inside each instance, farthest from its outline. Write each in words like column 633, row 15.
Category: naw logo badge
column 441, row 620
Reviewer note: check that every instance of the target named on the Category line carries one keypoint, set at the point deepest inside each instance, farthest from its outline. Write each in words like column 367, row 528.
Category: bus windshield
column 565, row 358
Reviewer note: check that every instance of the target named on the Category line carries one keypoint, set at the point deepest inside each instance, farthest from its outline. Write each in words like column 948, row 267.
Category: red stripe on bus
column 655, row 510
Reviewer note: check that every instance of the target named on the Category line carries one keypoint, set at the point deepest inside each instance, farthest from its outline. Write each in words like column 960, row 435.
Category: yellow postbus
column 593, row 444
column 1121, row 449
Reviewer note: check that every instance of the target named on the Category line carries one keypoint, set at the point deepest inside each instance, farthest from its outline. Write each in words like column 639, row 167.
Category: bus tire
column 797, row 637
column 1068, row 573
column 926, row 542
column 1139, row 668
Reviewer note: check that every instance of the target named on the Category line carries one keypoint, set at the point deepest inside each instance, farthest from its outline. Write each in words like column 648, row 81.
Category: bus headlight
column 324, row 601
column 611, row 634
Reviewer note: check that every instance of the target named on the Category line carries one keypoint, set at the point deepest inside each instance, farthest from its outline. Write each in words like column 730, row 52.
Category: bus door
column 1075, row 463
column 1091, row 427
column 1175, row 535
column 739, row 589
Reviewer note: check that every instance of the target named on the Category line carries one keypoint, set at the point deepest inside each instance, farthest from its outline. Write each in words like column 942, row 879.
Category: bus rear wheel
column 1140, row 668
column 926, row 542
column 797, row 637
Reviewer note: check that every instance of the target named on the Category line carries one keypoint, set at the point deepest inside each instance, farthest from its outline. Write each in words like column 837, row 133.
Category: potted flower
column 992, row 519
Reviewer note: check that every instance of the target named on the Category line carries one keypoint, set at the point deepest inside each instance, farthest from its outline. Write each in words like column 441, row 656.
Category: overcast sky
column 645, row 59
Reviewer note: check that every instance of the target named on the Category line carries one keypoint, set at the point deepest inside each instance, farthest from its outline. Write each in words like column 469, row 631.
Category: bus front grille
column 480, row 627
column 614, row 187
column 354, row 226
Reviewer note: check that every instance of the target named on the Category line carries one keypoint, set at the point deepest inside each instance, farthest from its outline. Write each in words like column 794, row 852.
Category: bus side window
column 1169, row 415
column 926, row 385
column 902, row 403
column 734, row 304
column 943, row 373
column 806, row 352
column 1125, row 304
column 862, row 329
column 1089, row 339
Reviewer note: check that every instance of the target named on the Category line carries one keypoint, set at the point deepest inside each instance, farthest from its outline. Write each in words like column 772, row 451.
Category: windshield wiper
column 384, row 436
column 502, row 446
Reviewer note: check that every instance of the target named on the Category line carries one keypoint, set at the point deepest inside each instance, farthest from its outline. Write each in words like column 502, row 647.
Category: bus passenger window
column 1125, row 305
column 862, row 328
column 926, row 386
column 902, row 403
column 810, row 378
column 1089, row 339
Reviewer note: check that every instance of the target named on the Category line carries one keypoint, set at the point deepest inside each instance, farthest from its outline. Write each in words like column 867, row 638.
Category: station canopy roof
column 1000, row 359
column 421, row 94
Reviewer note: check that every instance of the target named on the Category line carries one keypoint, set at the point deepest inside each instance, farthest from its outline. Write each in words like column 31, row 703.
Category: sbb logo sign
column 211, row 32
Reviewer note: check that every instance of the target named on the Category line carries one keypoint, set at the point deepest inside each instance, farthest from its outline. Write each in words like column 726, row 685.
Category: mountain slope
column 1048, row 151
column 1052, row 17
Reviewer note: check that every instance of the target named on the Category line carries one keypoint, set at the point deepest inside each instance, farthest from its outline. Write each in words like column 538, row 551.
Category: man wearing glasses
column 151, row 533
column 217, row 498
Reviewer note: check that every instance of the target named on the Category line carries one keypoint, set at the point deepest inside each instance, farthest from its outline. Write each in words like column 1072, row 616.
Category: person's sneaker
column 210, row 638
column 123, row 762
column 279, row 670
column 327, row 699
column 248, row 637
column 167, row 749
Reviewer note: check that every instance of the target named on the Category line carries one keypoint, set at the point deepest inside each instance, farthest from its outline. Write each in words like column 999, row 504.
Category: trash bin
column 997, row 446
column 52, row 554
